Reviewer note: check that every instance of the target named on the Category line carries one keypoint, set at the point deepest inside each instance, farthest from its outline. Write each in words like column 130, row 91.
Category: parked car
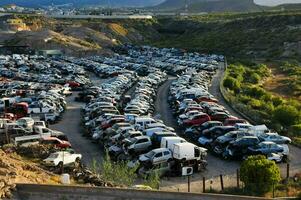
column 56, row 142
column 265, row 148
column 62, row 158
column 156, row 156
column 274, row 137
column 239, row 147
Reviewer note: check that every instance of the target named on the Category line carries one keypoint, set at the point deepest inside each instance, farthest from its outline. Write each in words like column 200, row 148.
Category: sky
column 275, row 2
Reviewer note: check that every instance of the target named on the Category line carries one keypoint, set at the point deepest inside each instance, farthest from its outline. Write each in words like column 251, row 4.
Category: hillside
column 257, row 35
column 117, row 3
column 210, row 5
column 80, row 37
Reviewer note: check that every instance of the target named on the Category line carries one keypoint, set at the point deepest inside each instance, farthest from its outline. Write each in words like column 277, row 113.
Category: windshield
column 54, row 155
column 150, row 154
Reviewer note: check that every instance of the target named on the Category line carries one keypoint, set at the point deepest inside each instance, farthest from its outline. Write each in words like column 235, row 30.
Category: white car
column 62, row 158
column 156, row 156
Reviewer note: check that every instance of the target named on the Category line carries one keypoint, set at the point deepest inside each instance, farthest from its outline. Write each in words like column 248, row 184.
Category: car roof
column 160, row 150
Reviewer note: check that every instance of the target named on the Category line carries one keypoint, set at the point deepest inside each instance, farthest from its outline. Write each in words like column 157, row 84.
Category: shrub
column 254, row 78
column 232, row 84
column 118, row 173
column 286, row 115
column 254, row 103
column 259, row 174
column 277, row 100
column 255, row 91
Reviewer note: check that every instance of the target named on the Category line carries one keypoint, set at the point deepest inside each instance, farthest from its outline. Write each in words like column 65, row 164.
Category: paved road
column 70, row 125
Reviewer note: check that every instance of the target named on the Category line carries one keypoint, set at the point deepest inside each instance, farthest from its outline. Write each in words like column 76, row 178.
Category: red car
column 197, row 120
column 219, row 116
column 56, row 142
column 206, row 99
column 233, row 121
column 73, row 84
column 111, row 122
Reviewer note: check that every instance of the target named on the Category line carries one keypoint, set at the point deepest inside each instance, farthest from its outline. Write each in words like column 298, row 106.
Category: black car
column 194, row 132
column 217, row 131
column 221, row 142
column 209, row 135
column 239, row 147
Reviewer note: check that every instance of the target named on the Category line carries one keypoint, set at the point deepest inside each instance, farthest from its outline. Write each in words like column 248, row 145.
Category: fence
column 231, row 184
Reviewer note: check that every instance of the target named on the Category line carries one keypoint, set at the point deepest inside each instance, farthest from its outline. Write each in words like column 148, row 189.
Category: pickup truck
column 62, row 158
column 47, row 132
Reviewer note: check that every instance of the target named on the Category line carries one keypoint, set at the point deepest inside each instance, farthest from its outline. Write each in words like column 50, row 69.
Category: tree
column 259, row 174
column 286, row 115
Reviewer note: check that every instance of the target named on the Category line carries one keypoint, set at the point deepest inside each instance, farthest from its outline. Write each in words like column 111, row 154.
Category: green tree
column 286, row 115
column 259, row 174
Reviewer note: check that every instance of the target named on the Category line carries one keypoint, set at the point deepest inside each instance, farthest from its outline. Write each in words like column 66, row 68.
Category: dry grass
column 118, row 29
column 278, row 84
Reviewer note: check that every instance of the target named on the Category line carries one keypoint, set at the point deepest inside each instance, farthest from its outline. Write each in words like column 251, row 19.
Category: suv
column 239, row 147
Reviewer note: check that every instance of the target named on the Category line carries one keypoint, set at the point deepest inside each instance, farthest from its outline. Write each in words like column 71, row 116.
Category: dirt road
column 70, row 125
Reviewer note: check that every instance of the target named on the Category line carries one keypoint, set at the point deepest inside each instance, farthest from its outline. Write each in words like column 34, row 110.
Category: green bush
column 259, row 174
column 254, row 78
column 286, row 115
column 254, row 91
column 254, row 103
column 118, row 172
column 232, row 84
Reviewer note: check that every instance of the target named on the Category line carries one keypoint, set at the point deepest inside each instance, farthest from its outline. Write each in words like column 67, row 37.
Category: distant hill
column 219, row 6
column 113, row 3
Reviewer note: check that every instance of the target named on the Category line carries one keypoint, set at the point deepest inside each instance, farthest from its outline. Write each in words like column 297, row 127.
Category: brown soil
column 277, row 83
column 15, row 169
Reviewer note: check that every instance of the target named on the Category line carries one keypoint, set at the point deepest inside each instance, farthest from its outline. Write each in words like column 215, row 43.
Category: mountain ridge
column 76, row 3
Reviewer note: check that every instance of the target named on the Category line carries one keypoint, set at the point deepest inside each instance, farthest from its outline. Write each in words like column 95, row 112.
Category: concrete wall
column 46, row 192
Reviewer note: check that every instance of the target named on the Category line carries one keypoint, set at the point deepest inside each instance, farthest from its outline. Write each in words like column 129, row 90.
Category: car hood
column 143, row 158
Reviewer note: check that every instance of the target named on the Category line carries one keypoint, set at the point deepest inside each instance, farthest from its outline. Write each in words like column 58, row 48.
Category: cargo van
column 168, row 142
column 188, row 151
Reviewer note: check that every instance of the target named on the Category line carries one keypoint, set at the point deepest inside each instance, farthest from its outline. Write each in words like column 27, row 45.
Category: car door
column 139, row 145
column 158, row 158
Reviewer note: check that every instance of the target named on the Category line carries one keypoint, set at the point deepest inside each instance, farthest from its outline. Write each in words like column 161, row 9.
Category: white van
column 188, row 151
column 168, row 142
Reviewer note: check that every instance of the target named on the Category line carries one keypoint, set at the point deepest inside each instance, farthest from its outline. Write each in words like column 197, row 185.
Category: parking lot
column 158, row 109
